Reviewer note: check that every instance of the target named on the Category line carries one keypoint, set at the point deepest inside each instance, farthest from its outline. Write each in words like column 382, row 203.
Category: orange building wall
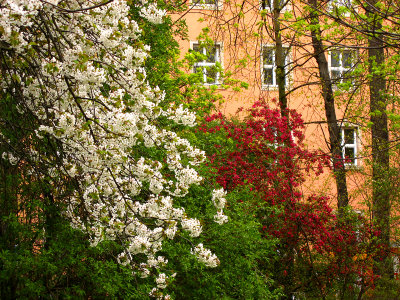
column 239, row 42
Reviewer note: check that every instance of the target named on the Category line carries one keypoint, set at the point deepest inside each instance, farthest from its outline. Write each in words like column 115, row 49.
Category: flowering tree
column 97, row 133
column 318, row 254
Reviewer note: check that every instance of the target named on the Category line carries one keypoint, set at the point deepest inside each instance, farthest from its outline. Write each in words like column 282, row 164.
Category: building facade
column 240, row 39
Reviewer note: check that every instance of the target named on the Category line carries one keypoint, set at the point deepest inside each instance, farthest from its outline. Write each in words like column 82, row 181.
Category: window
column 268, row 63
column 396, row 261
column 342, row 63
column 212, row 2
column 209, row 68
column 349, row 145
column 341, row 8
column 206, row 4
column 339, row 3
column 269, row 4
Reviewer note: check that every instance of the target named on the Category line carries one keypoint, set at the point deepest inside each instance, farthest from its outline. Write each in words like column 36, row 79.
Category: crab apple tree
column 265, row 151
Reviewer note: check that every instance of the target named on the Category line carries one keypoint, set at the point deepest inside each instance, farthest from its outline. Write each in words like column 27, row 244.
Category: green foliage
column 387, row 288
column 41, row 256
column 172, row 75
column 245, row 255
column 67, row 268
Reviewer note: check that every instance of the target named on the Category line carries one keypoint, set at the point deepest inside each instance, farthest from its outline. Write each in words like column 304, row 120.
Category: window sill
column 334, row 11
column 265, row 87
column 355, row 168
column 337, row 89
column 283, row 10
column 206, row 6
column 219, row 86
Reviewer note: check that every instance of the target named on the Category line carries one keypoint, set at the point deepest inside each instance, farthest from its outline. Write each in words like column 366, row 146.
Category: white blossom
column 161, row 281
column 182, row 116
column 123, row 259
column 220, row 218
column 205, row 256
column 193, row 226
column 10, row 158
column 152, row 13
column 123, row 193
column 218, row 198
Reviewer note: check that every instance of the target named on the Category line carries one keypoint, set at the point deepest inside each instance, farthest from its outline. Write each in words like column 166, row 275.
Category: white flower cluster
column 220, row 218
column 182, row 116
column 10, row 158
column 86, row 86
column 205, row 256
column 162, row 280
column 152, row 13
column 193, row 226
column 156, row 293
column 219, row 201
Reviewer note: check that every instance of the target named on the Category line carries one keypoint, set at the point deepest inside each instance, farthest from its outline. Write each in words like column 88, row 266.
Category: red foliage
column 267, row 153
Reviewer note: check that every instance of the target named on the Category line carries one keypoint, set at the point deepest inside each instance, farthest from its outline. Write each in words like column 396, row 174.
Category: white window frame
column 341, row 69
column 204, row 64
column 332, row 4
column 272, row 67
column 197, row 4
column 270, row 7
column 396, row 261
column 274, row 145
column 358, row 213
column 354, row 146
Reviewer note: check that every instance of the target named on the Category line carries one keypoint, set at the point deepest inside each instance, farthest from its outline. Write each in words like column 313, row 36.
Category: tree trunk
column 330, row 111
column 288, row 281
column 379, row 139
column 279, row 58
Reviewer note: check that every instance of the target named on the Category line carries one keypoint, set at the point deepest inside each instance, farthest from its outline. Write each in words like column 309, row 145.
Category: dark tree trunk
column 279, row 58
column 379, row 139
column 288, row 281
column 330, row 111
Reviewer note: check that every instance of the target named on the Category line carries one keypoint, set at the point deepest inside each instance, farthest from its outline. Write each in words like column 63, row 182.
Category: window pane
column 268, row 77
column 335, row 57
column 196, row 48
column 347, row 78
column 347, row 59
column 286, row 55
column 268, row 56
column 199, row 70
column 349, row 155
column 336, row 75
column 204, row 2
column 349, row 136
column 211, row 54
column 338, row 3
column 211, row 75
column 270, row 4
